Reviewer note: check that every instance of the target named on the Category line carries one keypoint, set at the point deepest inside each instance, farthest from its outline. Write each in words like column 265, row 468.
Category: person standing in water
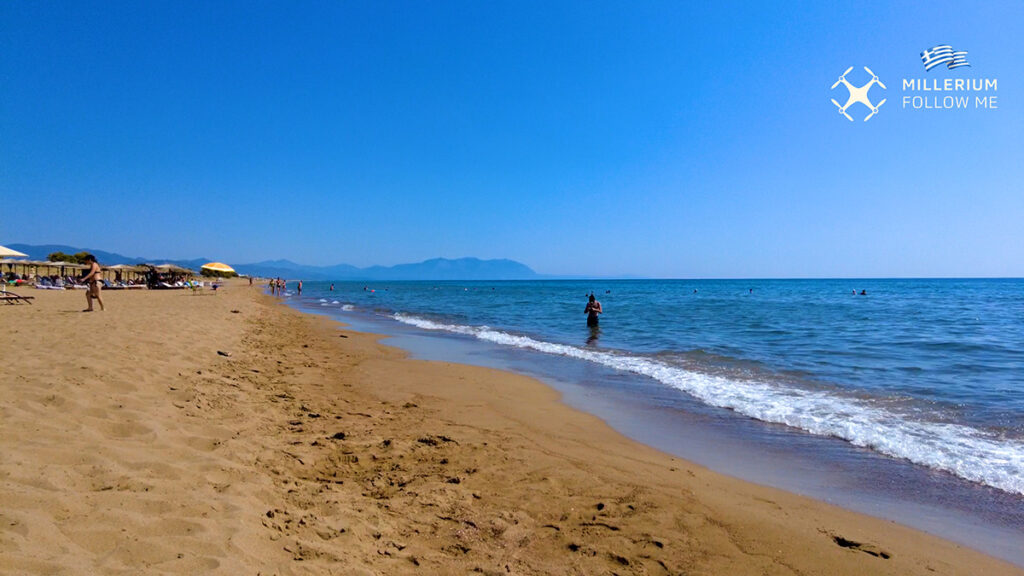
column 592, row 311
column 92, row 280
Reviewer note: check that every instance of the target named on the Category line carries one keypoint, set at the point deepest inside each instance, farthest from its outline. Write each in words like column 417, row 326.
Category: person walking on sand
column 92, row 280
column 592, row 310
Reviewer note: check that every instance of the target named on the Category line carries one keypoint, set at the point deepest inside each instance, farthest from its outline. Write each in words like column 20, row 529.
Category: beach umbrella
column 64, row 266
column 128, row 268
column 123, row 268
column 8, row 253
column 11, row 262
column 72, row 265
column 168, row 267
column 217, row 267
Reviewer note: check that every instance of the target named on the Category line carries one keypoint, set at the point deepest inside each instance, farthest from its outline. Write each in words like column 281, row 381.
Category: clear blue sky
column 676, row 139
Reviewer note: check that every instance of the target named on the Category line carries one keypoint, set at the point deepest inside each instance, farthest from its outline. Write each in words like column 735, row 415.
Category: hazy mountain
column 436, row 269
column 460, row 269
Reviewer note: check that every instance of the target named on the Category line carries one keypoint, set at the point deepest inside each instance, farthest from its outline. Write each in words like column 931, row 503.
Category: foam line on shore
column 967, row 452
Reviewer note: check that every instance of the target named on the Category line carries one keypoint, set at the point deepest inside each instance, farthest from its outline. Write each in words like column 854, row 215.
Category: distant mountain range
column 435, row 269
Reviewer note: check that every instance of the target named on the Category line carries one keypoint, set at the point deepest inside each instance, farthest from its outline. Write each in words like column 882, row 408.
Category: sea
column 903, row 399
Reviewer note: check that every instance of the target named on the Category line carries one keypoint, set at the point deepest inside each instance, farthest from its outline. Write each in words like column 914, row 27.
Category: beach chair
column 12, row 298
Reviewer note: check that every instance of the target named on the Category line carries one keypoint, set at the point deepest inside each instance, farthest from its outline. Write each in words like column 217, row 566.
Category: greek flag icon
column 943, row 54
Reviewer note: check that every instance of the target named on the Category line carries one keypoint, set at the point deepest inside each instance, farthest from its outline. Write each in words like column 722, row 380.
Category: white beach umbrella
column 6, row 252
column 168, row 267
column 67, row 265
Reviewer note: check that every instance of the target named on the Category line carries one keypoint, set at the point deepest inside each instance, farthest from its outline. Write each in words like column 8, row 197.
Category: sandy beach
column 180, row 433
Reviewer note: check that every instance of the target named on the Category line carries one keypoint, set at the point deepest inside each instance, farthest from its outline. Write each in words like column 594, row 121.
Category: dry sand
column 128, row 445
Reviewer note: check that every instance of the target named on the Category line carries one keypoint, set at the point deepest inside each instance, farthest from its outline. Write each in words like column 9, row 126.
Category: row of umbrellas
column 9, row 256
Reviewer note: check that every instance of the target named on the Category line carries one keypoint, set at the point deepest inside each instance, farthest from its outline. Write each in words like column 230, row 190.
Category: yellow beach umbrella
column 217, row 267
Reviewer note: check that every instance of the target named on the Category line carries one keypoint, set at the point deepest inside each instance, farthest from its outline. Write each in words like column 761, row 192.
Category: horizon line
column 555, row 276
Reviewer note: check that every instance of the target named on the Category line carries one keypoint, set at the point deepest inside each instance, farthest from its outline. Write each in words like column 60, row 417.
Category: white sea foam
column 323, row 300
column 347, row 307
column 962, row 450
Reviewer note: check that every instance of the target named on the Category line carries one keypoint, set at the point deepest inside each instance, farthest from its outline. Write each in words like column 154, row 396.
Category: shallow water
column 910, row 394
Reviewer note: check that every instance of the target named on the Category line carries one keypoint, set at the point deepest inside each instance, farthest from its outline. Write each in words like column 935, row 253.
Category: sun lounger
column 12, row 298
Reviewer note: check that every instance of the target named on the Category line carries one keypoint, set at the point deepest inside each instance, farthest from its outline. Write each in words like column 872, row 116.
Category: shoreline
column 144, row 447
column 825, row 469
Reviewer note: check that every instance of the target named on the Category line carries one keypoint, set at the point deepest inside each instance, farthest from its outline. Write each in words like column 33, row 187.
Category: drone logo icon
column 858, row 94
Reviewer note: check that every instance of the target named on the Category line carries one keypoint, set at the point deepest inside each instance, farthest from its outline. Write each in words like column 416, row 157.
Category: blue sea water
column 931, row 371
column 922, row 381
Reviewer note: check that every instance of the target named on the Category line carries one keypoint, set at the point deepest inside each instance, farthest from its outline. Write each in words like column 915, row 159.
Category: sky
column 659, row 139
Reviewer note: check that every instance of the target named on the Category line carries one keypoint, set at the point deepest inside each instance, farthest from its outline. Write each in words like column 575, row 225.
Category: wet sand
column 179, row 434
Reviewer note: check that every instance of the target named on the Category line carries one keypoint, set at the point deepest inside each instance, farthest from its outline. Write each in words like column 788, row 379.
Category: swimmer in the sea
column 592, row 311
